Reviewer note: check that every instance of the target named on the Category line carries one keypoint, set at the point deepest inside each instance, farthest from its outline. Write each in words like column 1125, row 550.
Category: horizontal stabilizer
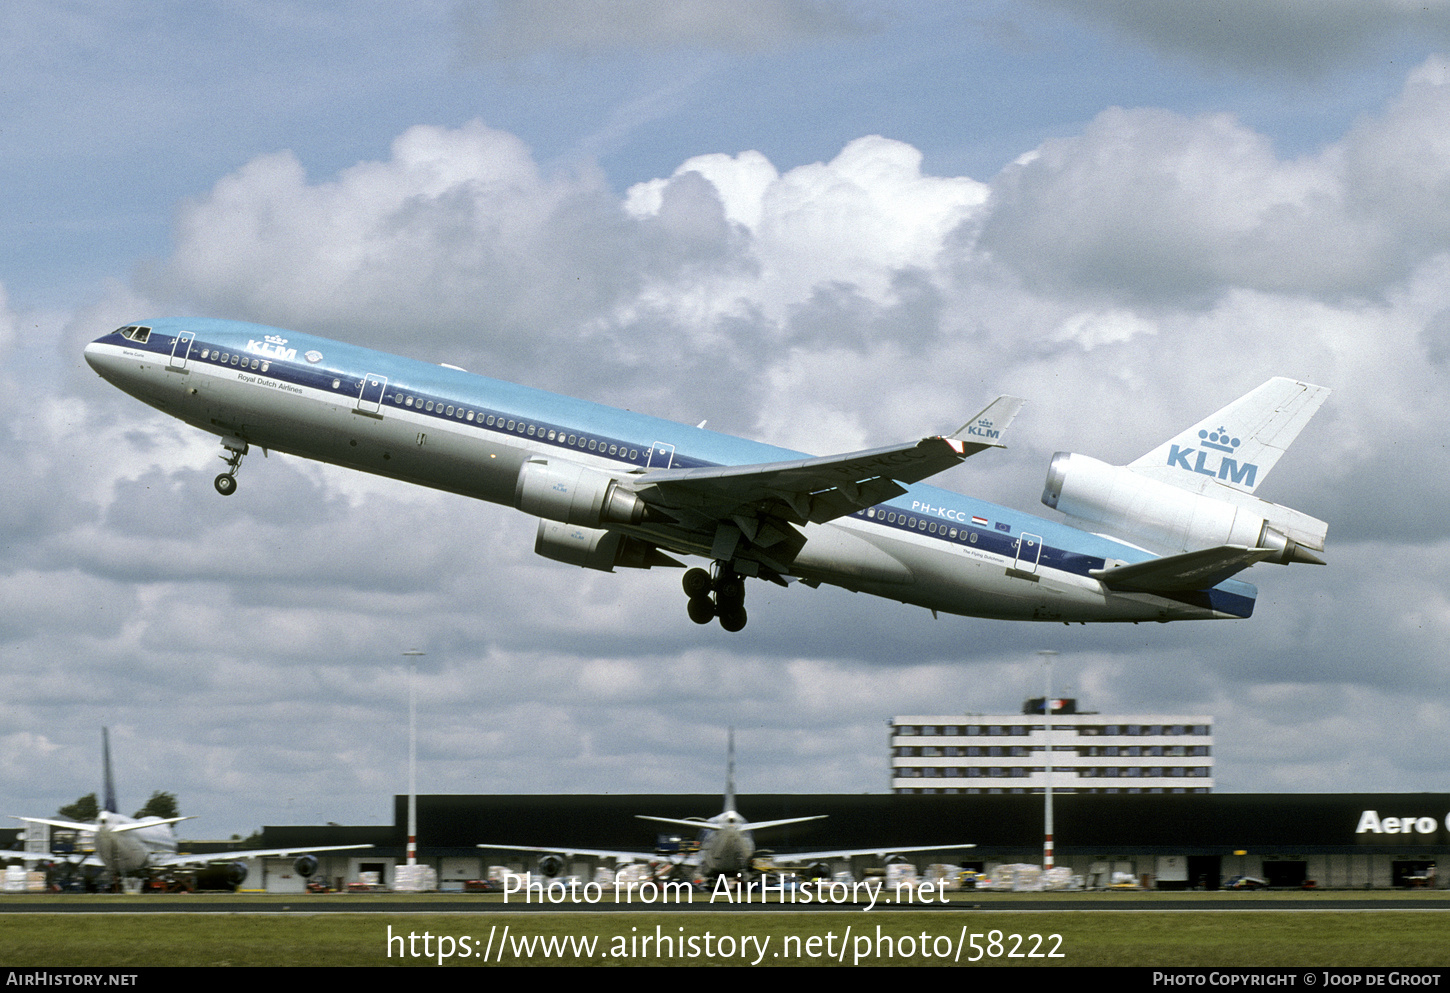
column 708, row 825
column 1183, row 573
column 138, row 825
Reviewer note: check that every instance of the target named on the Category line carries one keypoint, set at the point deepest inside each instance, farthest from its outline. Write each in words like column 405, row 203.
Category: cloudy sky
column 823, row 224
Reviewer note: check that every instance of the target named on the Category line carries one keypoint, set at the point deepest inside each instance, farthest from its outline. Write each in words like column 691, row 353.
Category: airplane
column 726, row 841
column 146, row 847
column 1157, row 540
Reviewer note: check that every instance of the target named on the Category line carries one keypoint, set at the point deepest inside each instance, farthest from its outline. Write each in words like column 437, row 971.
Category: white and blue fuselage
column 451, row 430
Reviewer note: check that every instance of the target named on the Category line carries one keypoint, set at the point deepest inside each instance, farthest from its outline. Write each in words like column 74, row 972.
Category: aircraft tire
column 226, row 484
column 701, row 610
column 732, row 618
column 732, row 591
column 696, row 583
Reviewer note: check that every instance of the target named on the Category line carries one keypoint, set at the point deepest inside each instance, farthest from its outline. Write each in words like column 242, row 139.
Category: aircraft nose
column 106, row 359
column 93, row 355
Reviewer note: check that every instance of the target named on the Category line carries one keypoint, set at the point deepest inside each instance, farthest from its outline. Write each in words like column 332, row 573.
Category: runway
column 1438, row 900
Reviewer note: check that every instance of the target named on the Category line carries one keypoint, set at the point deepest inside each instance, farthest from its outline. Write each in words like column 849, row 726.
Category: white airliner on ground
column 726, row 841
column 613, row 488
column 147, row 847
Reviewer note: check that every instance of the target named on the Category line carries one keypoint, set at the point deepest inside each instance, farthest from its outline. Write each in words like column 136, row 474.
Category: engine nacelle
column 1172, row 520
column 575, row 494
column 550, row 865
column 592, row 548
column 235, row 873
column 305, row 865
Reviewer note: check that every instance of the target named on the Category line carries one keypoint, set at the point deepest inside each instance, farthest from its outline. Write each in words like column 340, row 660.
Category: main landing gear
column 717, row 593
column 226, row 483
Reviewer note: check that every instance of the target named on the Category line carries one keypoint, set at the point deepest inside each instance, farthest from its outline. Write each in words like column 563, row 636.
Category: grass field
column 1317, row 935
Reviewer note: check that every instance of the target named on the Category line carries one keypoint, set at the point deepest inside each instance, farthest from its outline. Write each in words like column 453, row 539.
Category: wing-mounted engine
column 575, row 494
column 1165, row 518
column 592, row 548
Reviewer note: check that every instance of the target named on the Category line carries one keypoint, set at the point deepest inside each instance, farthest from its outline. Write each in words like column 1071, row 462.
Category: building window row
column 1091, row 730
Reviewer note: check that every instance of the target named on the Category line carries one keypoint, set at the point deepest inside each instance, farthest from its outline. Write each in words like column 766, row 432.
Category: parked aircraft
column 726, row 841
column 147, row 847
column 615, row 489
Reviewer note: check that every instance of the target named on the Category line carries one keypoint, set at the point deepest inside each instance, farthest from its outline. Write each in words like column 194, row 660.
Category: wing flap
column 817, row 490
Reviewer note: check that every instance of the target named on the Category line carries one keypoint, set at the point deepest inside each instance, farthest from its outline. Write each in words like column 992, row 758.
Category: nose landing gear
column 719, row 595
column 226, row 483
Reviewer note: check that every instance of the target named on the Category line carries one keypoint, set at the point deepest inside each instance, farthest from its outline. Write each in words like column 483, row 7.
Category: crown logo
column 275, row 339
column 1219, row 440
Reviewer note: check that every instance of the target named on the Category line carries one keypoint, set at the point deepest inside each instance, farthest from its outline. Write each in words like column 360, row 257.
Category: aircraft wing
column 168, row 861
column 56, row 822
column 881, row 853
column 817, row 490
column 1185, row 572
column 593, row 852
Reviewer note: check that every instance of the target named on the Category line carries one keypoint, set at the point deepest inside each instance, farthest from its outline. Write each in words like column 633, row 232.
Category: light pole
column 1047, row 655
column 412, row 657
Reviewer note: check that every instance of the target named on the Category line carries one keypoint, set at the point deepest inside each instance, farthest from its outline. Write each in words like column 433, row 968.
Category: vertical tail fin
column 730, row 770
column 1238, row 445
column 110, row 780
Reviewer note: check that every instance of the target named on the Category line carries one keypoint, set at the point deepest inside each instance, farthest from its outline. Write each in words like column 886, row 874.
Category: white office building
column 1091, row 753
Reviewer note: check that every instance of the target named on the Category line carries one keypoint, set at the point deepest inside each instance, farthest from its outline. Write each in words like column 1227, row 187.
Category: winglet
column 987, row 428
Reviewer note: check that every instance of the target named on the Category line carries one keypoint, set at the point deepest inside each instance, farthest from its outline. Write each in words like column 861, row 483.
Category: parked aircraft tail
column 109, row 779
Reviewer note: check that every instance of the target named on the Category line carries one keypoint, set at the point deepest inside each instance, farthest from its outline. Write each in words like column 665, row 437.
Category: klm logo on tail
column 983, row 429
column 1223, row 467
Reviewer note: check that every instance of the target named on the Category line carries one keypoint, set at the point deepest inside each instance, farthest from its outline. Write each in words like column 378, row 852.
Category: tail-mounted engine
column 1170, row 520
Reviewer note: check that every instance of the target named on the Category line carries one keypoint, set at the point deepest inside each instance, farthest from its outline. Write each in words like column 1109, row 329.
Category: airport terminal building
column 1164, row 840
column 1167, row 841
column 1091, row 752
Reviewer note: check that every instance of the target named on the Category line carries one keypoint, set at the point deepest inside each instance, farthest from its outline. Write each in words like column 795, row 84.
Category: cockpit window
column 134, row 333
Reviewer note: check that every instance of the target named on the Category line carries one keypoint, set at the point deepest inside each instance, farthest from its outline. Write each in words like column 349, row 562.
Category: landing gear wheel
column 701, row 609
column 717, row 593
column 732, row 617
column 226, row 483
column 696, row 583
